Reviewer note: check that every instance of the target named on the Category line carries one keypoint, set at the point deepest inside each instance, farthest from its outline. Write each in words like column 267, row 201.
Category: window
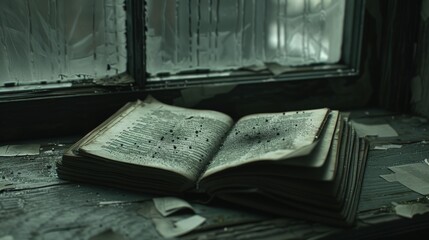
column 61, row 41
column 220, row 35
column 219, row 41
column 168, row 43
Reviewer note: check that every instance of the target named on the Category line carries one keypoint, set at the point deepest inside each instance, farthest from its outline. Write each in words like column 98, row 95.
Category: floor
column 38, row 205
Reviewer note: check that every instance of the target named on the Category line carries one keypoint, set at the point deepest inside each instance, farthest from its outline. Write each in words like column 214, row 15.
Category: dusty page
column 273, row 136
column 157, row 135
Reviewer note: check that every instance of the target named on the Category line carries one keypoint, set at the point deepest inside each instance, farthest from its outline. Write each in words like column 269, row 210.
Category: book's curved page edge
column 93, row 133
column 135, row 135
column 297, row 138
column 334, row 152
column 317, row 152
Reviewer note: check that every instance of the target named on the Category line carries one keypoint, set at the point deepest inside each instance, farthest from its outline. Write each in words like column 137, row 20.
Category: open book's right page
column 271, row 136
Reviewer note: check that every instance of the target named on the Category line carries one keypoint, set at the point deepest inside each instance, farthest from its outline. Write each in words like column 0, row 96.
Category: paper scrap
column 6, row 186
column 387, row 146
column 107, row 235
column 410, row 210
column 169, row 229
column 414, row 176
column 379, row 130
column 19, row 150
column 169, row 205
column 277, row 69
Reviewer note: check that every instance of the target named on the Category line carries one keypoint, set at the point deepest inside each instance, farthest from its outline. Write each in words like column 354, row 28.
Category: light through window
column 222, row 35
column 61, row 40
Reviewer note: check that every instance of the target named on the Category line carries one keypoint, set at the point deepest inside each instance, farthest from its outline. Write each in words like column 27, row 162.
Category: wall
column 420, row 83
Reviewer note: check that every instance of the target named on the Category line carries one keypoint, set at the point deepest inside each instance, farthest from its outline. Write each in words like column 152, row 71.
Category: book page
column 158, row 135
column 273, row 136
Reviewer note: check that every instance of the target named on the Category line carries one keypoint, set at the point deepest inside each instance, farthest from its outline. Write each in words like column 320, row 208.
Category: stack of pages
column 306, row 164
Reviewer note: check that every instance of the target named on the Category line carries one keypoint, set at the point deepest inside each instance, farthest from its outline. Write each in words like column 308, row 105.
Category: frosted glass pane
column 50, row 40
column 230, row 34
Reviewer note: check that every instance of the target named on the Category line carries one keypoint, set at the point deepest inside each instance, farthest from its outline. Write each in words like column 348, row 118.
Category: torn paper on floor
column 414, row 176
column 172, row 226
column 410, row 210
column 169, row 205
column 168, row 229
column 19, row 150
column 379, row 130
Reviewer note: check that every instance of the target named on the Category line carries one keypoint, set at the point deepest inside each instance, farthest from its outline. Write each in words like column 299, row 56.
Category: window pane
column 231, row 34
column 50, row 40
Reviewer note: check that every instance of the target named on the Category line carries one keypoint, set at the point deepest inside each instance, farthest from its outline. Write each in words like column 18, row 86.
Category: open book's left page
column 152, row 134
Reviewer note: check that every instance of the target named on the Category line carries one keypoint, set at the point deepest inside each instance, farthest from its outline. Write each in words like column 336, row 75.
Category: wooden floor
column 41, row 206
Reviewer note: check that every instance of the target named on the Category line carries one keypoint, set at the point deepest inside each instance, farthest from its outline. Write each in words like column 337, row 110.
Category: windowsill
column 45, row 113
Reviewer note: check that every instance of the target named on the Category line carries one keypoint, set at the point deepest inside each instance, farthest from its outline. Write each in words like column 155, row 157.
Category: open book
column 306, row 164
